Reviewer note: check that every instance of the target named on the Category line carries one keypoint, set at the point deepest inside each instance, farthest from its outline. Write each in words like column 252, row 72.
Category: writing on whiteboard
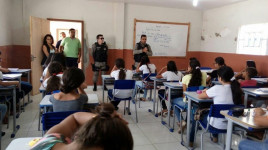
column 164, row 39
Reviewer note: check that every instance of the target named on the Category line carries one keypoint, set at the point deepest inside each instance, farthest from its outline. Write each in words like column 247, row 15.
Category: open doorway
column 57, row 26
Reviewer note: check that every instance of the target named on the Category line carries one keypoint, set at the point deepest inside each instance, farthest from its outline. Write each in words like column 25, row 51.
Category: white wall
column 98, row 18
column 229, row 19
column 5, row 23
column 163, row 14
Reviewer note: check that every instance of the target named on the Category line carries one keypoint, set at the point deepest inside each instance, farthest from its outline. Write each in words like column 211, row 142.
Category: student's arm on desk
column 4, row 70
column 9, row 83
column 203, row 95
column 261, row 121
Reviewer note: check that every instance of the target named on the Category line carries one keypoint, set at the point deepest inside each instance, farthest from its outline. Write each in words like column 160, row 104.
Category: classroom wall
column 227, row 20
column 5, row 23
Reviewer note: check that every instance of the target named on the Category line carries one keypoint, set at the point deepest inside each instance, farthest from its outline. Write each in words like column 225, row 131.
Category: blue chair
column 124, row 85
column 53, row 118
column 183, row 109
column 150, row 84
column 205, row 68
column 214, row 112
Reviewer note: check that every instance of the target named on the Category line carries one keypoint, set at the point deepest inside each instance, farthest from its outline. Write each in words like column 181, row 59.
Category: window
column 252, row 39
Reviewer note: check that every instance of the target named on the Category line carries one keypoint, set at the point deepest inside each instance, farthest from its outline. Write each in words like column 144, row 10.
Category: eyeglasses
column 101, row 38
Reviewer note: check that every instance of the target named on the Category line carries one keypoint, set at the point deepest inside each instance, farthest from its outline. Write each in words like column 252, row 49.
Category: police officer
column 141, row 49
column 100, row 55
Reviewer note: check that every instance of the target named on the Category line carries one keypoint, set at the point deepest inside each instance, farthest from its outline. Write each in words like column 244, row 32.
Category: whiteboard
column 164, row 39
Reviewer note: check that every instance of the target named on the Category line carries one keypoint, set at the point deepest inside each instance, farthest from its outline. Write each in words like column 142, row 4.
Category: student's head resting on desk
column 225, row 74
column 103, row 130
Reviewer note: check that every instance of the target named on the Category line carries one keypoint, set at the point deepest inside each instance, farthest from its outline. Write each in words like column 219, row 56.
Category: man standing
column 141, row 49
column 63, row 35
column 100, row 55
column 71, row 47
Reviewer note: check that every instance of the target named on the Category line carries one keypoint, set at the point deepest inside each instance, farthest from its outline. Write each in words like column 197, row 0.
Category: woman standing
column 48, row 49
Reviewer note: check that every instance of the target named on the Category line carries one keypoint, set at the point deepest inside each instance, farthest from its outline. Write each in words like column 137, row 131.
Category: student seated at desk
column 195, row 78
column 249, row 73
column 170, row 73
column 25, row 86
column 219, row 62
column 104, row 130
column 69, row 99
column 146, row 68
column 260, row 119
column 249, row 63
column 57, row 57
column 229, row 92
column 53, row 82
column 120, row 73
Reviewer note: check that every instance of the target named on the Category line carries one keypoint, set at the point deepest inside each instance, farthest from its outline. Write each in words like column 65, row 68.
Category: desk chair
column 213, row 112
column 147, row 84
column 183, row 109
column 124, row 85
column 53, row 118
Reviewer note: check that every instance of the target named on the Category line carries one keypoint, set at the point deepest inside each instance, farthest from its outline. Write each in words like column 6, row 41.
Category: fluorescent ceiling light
column 195, row 2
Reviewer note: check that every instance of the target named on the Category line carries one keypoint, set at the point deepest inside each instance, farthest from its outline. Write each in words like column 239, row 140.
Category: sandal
column 142, row 99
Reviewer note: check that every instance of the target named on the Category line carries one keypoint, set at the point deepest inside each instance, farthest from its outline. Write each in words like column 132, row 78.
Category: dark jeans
column 71, row 62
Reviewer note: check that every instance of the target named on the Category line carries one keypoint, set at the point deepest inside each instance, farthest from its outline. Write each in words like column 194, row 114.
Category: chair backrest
column 147, row 76
column 52, row 118
column 216, row 108
column 195, row 88
column 205, row 68
column 124, row 84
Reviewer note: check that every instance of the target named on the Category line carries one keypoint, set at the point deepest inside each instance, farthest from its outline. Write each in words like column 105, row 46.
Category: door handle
column 32, row 58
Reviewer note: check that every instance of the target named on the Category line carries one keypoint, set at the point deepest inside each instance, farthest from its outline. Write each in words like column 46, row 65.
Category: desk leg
column 103, row 91
column 15, row 128
column 154, row 112
column 169, row 99
column 28, row 76
column 229, row 135
column 19, row 98
column 246, row 99
column 188, row 121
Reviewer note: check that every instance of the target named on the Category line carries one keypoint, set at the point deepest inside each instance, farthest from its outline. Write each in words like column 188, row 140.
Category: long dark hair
column 171, row 66
column 196, row 79
column 120, row 64
column 54, row 81
column 226, row 74
column 45, row 41
column 145, row 61
column 72, row 78
column 60, row 58
column 220, row 61
column 252, row 72
column 251, row 63
column 104, row 131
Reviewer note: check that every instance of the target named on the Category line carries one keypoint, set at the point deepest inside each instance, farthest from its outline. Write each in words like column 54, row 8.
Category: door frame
column 82, row 40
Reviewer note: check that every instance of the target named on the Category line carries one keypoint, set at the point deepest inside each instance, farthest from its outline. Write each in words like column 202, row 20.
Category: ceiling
column 183, row 4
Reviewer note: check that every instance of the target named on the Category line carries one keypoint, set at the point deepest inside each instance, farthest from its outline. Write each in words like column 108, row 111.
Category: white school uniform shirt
column 171, row 76
column 221, row 94
column 145, row 70
column 122, row 93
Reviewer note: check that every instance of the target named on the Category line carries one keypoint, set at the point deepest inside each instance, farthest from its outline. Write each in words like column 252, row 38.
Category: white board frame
column 161, row 22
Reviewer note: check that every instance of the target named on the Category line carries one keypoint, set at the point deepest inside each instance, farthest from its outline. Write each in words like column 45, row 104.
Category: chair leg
column 174, row 109
column 136, row 112
column 9, row 109
column 139, row 99
column 124, row 107
column 39, row 119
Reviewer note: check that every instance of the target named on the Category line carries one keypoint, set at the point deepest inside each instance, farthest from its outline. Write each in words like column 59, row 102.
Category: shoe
column 163, row 113
column 142, row 99
column 3, row 133
column 95, row 87
column 181, row 129
column 191, row 144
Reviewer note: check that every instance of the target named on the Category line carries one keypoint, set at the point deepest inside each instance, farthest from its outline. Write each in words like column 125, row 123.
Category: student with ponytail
column 119, row 72
column 72, row 96
column 229, row 92
column 146, row 67
column 194, row 78
column 53, row 82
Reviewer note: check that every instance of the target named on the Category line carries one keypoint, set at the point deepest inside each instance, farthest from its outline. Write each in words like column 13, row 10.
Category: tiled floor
column 148, row 133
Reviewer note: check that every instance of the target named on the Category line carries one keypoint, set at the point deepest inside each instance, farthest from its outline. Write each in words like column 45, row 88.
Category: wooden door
column 38, row 29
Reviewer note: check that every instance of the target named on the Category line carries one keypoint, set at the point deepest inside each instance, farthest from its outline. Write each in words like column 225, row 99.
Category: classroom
column 156, row 74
